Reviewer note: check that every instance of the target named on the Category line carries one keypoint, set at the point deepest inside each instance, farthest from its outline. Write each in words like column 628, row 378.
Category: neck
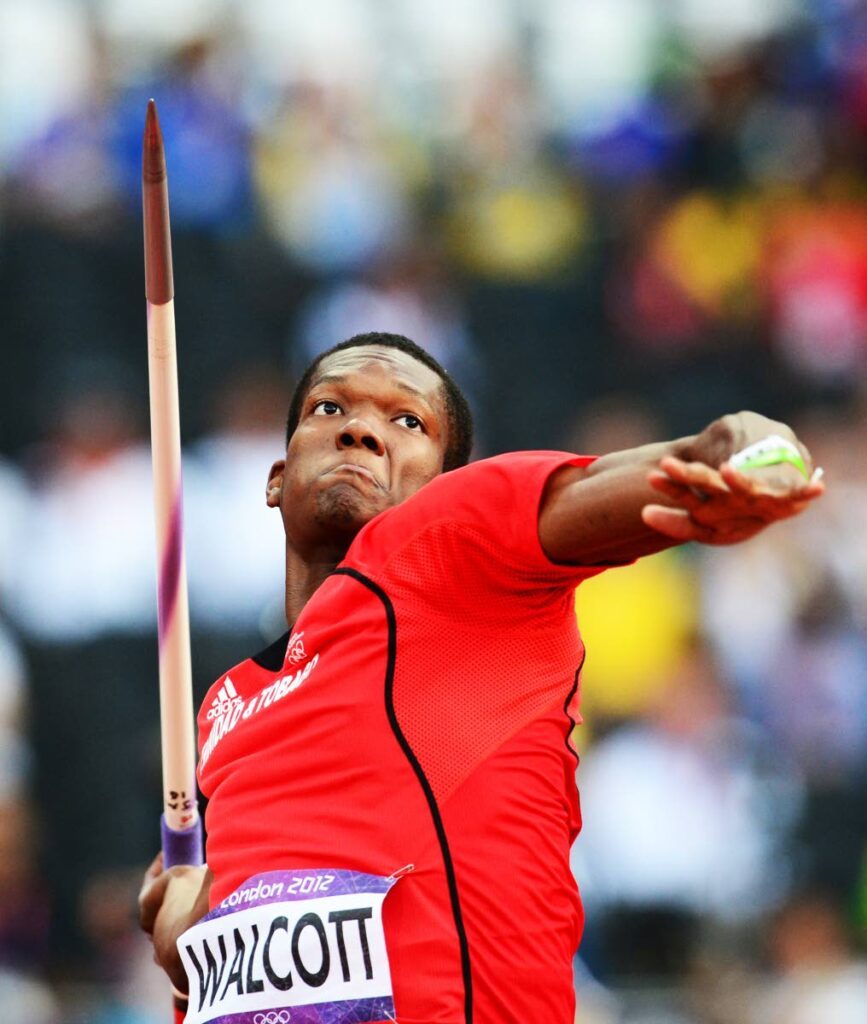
column 305, row 574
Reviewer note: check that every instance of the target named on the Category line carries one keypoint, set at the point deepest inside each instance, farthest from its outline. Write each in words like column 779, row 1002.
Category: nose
column 359, row 434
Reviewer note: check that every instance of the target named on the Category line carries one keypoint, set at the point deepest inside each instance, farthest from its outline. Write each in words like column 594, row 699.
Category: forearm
column 616, row 509
column 713, row 446
column 593, row 516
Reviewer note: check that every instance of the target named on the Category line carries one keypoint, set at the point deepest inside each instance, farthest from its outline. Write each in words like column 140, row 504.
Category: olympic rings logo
column 272, row 1017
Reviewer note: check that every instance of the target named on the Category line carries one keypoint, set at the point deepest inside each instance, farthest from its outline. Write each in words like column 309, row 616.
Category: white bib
column 292, row 947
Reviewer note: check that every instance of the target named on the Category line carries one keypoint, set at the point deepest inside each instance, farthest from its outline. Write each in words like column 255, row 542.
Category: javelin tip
column 153, row 152
column 159, row 285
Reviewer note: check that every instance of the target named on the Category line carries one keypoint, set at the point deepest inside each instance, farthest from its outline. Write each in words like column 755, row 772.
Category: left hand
column 725, row 505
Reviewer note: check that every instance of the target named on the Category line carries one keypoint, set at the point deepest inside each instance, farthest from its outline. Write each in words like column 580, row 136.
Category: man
column 410, row 735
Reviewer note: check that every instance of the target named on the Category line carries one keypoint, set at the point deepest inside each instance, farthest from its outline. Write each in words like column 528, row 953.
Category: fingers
column 694, row 474
column 727, row 478
column 155, row 868
column 692, row 485
column 681, row 526
column 685, row 497
column 151, row 898
column 782, row 482
column 145, row 900
column 675, row 523
column 152, row 895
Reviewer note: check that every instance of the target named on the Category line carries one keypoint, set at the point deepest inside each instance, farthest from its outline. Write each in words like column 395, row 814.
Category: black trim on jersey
column 274, row 655
column 374, row 588
column 566, row 703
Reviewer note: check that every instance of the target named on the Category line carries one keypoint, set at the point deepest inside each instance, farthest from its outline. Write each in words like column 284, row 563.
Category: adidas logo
column 226, row 699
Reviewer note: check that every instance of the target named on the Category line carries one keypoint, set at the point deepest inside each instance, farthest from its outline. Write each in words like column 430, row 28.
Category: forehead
column 375, row 364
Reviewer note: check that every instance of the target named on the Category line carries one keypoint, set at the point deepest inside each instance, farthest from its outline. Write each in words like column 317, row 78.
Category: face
column 373, row 430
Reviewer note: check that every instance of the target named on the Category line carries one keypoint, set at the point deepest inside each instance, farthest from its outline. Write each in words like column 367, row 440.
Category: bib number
column 292, row 947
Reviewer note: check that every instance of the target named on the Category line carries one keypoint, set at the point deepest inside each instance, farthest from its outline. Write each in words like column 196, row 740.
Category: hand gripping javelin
column 180, row 824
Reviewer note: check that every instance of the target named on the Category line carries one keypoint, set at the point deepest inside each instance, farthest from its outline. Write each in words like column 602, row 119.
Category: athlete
column 391, row 785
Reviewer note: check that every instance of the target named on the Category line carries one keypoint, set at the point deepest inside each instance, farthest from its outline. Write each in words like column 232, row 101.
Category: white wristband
column 770, row 451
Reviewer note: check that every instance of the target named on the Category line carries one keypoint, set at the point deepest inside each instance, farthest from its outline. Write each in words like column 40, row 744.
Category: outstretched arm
column 642, row 500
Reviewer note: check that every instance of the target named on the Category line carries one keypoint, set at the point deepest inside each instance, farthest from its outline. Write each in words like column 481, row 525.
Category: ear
column 274, row 490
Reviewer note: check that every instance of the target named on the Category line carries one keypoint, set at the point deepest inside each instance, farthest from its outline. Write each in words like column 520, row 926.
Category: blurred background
column 612, row 221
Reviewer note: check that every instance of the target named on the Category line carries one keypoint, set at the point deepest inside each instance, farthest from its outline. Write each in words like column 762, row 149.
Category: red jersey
column 419, row 714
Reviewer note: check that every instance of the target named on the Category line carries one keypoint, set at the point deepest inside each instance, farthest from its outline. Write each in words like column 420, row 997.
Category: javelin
column 181, row 828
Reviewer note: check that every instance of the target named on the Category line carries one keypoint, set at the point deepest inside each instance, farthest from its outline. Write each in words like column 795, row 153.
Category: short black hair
column 460, row 419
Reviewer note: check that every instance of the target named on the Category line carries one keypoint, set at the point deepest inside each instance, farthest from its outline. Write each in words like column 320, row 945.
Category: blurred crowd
column 612, row 222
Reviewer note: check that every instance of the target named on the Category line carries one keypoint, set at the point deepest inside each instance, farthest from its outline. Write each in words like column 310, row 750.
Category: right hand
column 170, row 901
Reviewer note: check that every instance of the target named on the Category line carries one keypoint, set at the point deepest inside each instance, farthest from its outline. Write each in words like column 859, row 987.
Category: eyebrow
column 338, row 378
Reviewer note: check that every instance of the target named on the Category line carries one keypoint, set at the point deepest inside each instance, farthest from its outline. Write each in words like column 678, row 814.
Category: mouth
column 359, row 471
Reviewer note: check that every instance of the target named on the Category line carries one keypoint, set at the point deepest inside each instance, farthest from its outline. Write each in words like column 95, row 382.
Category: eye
column 410, row 422
column 326, row 408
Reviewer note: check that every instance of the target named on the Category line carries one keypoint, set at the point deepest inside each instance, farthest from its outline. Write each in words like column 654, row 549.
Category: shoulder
column 476, row 492
column 495, row 499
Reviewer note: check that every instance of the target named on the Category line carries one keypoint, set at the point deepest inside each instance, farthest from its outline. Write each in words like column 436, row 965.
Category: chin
column 343, row 509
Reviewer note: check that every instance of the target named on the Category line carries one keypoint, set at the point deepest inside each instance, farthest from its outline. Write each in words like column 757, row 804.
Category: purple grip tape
column 183, row 846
